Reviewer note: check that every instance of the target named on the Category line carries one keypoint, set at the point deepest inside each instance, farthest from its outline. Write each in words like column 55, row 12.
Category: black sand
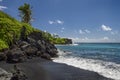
column 40, row 69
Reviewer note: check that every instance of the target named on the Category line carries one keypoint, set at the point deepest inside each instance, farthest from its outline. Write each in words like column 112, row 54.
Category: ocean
column 103, row 58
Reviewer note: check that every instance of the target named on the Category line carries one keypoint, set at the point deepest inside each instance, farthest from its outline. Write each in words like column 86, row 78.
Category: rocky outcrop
column 5, row 75
column 18, row 74
column 15, row 55
column 35, row 45
column 68, row 41
column 37, row 40
column 2, row 56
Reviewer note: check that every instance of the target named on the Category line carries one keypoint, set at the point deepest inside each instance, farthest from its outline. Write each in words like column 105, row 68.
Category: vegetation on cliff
column 10, row 30
column 55, row 39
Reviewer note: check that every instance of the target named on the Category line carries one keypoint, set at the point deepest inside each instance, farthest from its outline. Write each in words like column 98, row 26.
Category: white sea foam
column 107, row 69
column 74, row 44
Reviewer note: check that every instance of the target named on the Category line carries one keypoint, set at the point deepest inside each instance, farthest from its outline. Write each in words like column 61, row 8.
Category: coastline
column 103, row 68
column 41, row 69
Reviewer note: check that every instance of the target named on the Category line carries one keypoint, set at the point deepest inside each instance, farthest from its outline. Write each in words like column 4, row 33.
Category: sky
column 80, row 20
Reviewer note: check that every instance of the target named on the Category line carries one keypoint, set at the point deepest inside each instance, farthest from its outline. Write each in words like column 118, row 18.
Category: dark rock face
column 30, row 50
column 46, row 56
column 16, row 55
column 33, row 46
column 68, row 41
column 2, row 56
column 18, row 74
column 42, row 44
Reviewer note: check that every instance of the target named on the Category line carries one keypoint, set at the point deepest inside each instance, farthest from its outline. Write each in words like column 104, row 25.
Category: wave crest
column 107, row 69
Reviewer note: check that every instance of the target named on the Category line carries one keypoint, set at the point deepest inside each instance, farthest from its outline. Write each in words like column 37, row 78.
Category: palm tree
column 25, row 13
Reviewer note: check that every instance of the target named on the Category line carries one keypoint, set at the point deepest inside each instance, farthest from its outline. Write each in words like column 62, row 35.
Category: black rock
column 2, row 56
column 46, row 56
column 68, row 41
column 30, row 50
column 16, row 55
column 32, row 45
column 37, row 40
column 18, row 74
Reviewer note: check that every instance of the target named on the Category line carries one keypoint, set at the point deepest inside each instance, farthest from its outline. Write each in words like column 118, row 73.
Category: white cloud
column 59, row 22
column 84, row 31
column 87, row 31
column 105, row 38
column 75, row 39
column 56, row 22
column 1, row 0
column 3, row 7
column 51, row 22
column 81, row 31
column 106, row 28
column 86, row 39
column 45, row 31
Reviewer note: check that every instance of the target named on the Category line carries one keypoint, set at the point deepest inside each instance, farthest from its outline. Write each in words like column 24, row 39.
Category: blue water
column 103, row 58
column 109, row 52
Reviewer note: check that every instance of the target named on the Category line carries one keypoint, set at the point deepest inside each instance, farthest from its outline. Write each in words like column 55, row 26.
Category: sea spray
column 107, row 69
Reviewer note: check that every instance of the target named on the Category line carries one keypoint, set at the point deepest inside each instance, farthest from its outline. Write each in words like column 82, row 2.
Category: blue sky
column 81, row 20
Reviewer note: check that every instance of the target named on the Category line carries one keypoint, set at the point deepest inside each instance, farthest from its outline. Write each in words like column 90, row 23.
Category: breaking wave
column 107, row 69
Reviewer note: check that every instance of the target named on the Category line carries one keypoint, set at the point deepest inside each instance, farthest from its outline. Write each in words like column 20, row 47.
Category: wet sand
column 40, row 69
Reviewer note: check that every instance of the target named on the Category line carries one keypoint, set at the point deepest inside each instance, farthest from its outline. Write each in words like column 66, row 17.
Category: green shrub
column 10, row 29
column 3, row 45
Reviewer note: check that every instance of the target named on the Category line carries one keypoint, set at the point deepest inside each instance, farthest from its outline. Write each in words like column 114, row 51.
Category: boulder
column 30, row 50
column 16, row 55
column 18, row 74
column 4, row 75
column 2, row 56
column 38, row 53
column 51, row 50
column 13, row 46
column 31, row 40
column 23, row 43
column 42, row 44
column 46, row 56
column 35, row 44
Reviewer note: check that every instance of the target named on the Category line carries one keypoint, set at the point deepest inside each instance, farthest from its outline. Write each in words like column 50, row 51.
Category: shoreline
column 41, row 69
column 88, row 64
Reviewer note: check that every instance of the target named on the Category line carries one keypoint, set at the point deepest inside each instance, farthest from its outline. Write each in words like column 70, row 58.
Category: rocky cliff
column 68, row 41
column 34, row 45
column 20, row 41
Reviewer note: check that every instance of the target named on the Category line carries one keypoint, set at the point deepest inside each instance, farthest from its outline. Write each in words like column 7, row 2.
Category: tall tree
column 25, row 13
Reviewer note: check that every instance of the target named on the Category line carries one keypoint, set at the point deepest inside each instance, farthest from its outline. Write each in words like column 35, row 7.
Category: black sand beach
column 40, row 69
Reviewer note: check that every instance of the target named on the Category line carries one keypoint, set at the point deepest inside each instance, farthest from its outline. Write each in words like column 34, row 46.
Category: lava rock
column 30, row 50
column 2, row 56
column 46, row 56
column 16, row 55
column 42, row 44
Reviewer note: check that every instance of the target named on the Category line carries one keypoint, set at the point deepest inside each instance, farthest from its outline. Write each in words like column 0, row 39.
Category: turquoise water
column 101, row 51
column 103, row 58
